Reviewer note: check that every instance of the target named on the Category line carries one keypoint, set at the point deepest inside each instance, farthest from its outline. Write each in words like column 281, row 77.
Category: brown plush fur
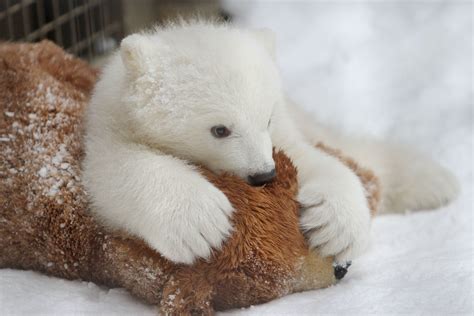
column 45, row 225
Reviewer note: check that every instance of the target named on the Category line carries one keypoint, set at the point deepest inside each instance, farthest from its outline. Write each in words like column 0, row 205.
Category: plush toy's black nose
column 262, row 178
column 341, row 270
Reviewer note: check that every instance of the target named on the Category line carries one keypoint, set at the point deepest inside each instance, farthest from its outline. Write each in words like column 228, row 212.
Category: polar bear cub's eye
column 220, row 131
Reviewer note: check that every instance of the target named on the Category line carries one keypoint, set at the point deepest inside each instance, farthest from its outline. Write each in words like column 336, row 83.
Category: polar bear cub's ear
column 268, row 39
column 136, row 51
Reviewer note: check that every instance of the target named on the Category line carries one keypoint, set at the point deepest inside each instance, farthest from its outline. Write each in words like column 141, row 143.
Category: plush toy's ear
column 136, row 51
column 268, row 39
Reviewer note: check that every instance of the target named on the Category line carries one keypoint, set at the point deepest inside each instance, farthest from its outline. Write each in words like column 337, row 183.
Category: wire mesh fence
column 86, row 28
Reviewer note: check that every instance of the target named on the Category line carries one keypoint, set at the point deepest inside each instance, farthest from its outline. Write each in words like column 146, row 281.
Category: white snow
column 43, row 172
column 400, row 70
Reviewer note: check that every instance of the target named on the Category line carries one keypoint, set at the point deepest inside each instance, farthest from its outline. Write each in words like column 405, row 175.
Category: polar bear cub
column 207, row 94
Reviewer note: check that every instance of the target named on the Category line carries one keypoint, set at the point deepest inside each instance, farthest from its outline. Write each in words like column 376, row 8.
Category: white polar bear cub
column 208, row 94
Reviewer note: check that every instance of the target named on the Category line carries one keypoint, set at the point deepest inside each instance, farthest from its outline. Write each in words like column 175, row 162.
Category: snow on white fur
column 151, row 116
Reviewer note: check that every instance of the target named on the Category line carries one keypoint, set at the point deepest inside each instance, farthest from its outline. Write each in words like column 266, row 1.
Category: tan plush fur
column 45, row 224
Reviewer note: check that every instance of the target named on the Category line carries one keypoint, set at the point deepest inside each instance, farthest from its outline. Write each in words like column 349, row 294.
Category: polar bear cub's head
column 204, row 93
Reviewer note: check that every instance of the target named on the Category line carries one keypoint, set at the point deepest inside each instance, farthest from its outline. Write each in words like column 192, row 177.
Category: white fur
column 151, row 114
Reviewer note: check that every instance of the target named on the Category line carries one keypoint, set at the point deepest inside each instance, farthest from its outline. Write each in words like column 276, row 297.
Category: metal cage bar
column 26, row 19
column 41, row 19
column 8, row 15
column 82, row 27
column 57, row 27
column 13, row 8
column 72, row 25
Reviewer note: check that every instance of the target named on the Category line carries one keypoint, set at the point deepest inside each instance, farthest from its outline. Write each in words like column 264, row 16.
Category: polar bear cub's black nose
column 262, row 178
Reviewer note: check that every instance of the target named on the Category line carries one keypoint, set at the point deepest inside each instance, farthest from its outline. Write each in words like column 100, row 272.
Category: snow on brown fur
column 45, row 225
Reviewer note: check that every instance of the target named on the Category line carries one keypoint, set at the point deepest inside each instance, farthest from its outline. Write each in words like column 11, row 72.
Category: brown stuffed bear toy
column 45, row 225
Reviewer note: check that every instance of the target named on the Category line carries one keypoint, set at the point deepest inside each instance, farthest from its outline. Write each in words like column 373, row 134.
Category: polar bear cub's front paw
column 196, row 220
column 335, row 218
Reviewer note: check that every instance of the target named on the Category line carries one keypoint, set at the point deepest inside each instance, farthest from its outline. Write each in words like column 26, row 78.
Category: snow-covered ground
column 399, row 70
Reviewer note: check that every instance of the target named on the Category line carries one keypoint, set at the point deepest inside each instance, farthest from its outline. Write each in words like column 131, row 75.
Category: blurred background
column 397, row 69
column 92, row 28
column 342, row 53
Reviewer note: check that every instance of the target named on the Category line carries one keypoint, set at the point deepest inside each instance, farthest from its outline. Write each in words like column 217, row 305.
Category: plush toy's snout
column 340, row 270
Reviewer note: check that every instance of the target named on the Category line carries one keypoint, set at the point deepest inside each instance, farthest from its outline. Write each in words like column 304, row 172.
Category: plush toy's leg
column 187, row 293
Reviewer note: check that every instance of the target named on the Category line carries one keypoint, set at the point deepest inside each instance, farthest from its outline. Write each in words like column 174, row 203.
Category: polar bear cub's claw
column 336, row 222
